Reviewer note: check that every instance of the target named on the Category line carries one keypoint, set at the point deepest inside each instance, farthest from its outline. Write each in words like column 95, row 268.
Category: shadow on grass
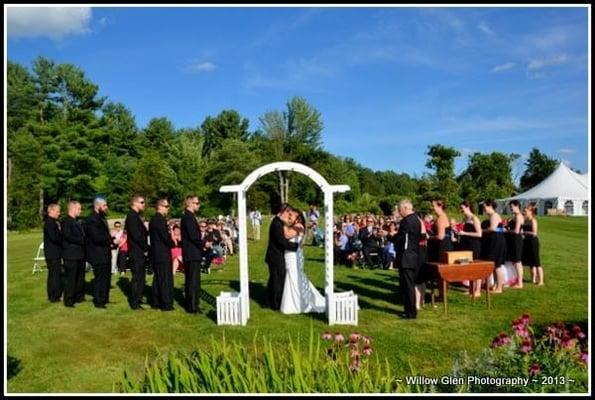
column 124, row 285
column 258, row 292
column 14, row 367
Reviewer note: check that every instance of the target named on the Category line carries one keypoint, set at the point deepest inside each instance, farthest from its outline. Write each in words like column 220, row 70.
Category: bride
column 299, row 294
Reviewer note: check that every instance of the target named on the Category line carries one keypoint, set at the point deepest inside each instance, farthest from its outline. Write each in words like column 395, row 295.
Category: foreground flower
column 534, row 369
column 567, row 342
column 339, row 337
column 526, row 346
column 367, row 340
column 327, row 336
column 367, row 350
column 578, row 332
column 354, row 352
column 501, row 340
column 584, row 357
column 354, row 337
column 525, row 319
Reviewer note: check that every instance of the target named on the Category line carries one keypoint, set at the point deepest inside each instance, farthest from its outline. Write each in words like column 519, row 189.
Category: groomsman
column 192, row 253
column 98, row 252
column 138, row 250
column 52, row 248
column 73, row 253
column 161, row 244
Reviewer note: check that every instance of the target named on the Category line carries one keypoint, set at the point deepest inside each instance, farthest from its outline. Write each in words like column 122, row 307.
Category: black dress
column 436, row 246
column 471, row 243
column 493, row 245
column 514, row 243
column 530, row 247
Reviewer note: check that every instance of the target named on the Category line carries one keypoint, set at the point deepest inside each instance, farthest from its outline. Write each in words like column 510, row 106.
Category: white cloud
column 205, row 66
column 53, row 22
column 566, row 151
column 484, row 27
column 503, row 67
column 542, row 63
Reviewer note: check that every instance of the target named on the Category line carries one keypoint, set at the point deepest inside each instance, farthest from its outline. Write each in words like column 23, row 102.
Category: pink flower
column 501, row 340
column 354, row 337
column 327, row 336
column 534, row 369
column 354, row 366
column 339, row 337
column 584, row 357
column 354, row 352
column 567, row 342
column 526, row 346
column 525, row 318
column 367, row 340
column 367, row 350
column 578, row 333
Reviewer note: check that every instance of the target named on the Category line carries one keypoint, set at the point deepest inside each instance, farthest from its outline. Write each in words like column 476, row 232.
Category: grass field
column 56, row 349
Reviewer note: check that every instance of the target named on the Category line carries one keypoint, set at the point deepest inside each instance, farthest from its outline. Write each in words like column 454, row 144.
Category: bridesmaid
column 515, row 248
column 531, row 245
column 442, row 231
column 470, row 238
column 497, row 245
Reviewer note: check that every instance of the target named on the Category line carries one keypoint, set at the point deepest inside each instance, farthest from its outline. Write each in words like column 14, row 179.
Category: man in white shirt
column 255, row 218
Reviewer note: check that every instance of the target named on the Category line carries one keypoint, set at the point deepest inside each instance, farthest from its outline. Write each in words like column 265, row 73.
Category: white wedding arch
column 234, row 308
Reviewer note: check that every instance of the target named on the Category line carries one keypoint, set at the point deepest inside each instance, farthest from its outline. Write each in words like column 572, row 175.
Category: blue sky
column 388, row 81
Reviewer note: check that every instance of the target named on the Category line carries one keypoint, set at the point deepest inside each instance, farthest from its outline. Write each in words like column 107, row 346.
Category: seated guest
column 388, row 251
column 340, row 248
column 369, row 237
column 122, row 258
column 176, row 251
column 428, row 222
column 317, row 235
column 225, row 238
column 116, row 233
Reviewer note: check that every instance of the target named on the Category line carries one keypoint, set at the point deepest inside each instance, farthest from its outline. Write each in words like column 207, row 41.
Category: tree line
column 67, row 142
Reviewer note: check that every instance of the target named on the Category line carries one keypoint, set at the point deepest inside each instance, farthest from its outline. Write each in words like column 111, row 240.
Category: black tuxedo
column 408, row 260
column 161, row 244
column 191, row 242
column 137, row 234
column 275, row 258
column 73, row 251
column 98, row 243
column 52, row 249
column 192, row 252
column 369, row 243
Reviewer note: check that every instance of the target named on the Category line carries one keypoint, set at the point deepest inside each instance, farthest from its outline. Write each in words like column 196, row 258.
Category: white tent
column 564, row 190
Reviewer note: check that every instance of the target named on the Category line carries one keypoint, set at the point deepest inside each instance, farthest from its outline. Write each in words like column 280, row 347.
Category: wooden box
column 451, row 257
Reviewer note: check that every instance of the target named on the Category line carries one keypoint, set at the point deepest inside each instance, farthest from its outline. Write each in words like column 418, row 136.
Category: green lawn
column 57, row 349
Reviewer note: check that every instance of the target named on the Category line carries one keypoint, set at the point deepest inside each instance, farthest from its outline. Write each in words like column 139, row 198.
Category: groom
column 275, row 256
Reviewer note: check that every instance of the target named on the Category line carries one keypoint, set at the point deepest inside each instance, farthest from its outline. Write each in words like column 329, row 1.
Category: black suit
column 73, row 253
column 52, row 249
column 408, row 260
column 275, row 258
column 370, row 244
column 98, row 243
column 192, row 246
column 138, row 247
column 163, row 280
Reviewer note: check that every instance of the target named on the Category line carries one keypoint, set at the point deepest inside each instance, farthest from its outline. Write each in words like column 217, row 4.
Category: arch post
column 234, row 308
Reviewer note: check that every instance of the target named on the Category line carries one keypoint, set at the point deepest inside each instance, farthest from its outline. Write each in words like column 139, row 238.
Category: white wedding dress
column 299, row 294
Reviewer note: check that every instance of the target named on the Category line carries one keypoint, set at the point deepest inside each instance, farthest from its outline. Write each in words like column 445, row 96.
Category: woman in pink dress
column 176, row 251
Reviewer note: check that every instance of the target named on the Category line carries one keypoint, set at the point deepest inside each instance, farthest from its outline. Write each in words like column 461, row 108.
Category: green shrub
column 554, row 362
column 344, row 366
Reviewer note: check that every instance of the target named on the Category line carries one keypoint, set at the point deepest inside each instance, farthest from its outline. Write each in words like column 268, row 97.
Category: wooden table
column 477, row 269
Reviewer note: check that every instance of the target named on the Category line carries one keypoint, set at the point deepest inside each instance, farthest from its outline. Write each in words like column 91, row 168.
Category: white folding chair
column 39, row 259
